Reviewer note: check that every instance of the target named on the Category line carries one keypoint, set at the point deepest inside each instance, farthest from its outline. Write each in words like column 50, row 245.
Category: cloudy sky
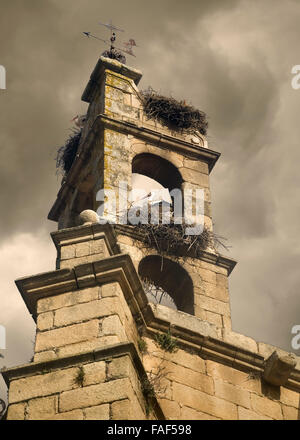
column 230, row 58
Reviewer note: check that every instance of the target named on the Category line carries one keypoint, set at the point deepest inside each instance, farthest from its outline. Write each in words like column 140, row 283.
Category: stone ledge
column 158, row 139
column 106, row 353
column 83, row 233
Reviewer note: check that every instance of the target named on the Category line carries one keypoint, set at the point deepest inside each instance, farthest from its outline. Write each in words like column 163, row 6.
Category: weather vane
column 114, row 52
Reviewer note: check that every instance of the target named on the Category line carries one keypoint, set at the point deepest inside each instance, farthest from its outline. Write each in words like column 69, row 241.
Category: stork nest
column 172, row 113
column 114, row 54
column 66, row 154
column 171, row 239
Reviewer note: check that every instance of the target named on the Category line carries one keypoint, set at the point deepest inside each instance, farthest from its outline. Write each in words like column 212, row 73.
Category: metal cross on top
column 113, row 29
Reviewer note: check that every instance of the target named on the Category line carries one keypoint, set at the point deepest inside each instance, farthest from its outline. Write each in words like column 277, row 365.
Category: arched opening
column 153, row 178
column 167, row 283
column 157, row 168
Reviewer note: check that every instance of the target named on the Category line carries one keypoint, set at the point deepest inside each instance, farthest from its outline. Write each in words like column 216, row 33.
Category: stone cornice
column 82, row 233
column 156, row 138
column 107, row 353
column 189, row 330
column 113, row 65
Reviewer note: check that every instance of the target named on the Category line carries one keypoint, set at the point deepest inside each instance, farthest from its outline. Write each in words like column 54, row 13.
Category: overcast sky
column 231, row 59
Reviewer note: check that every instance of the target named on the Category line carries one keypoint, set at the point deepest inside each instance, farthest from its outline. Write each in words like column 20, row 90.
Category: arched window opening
column 167, row 283
column 157, row 168
column 152, row 180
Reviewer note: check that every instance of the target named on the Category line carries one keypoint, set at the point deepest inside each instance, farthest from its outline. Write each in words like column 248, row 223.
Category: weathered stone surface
column 45, row 321
column 41, row 385
column 170, row 408
column 67, row 299
column 67, row 335
column 41, row 409
column 266, row 407
column 94, row 372
column 231, row 375
column 16, row 411
column 113, row 326
column 290, row 413
column 94, row 395
column 240, row 340
column 69, row 415
column 191, row 378
column 100, row 412
column 110, row 289
column 192, row 414
column 203, row 402
column 127, row 410
column 92, row 344
column 246, row 414
column 289, row 397
column 43, row 356
column 212, row 305
column 278, row 368
column 232, row 393
column 85, row 311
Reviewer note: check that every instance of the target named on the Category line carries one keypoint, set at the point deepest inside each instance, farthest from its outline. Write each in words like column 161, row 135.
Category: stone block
column 232, row 393
column 170, row 408
column 214, row 318
column 41, row 409
column 85, row 311
column 16, row 411
column 290, row 413
column 213, row 305
column 278, row 368
column 67, row 252
column 45, row 321
column 94, row 372
column 92, row 344
column 240, row 340
column 113, row 326
column 43, row 356
column 231, row 375
column 95, row 395
column 99, row 412
column 196, row 165
column 203, row 402
column 67, row 335
column 246, row 414
column 266, row 407
column 42, row 385
column 191, row 378
column 289, row 397
column 67, row 299
column 82, row 249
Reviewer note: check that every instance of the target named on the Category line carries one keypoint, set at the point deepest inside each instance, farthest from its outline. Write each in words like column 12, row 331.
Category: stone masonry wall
column 108, row 389
column 198, row 388
column 211, row 295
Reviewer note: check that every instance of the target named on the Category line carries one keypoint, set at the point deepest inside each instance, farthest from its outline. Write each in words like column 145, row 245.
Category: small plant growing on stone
column 142, row 344
column 152, row 386
column 166, row 342
column 79, row 379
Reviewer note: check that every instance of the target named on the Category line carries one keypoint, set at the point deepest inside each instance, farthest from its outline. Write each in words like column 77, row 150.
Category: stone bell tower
column 103, row 350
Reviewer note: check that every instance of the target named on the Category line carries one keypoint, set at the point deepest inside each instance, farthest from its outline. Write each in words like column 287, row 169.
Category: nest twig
column 66, row 153
column 175, row 114
column 114, row 54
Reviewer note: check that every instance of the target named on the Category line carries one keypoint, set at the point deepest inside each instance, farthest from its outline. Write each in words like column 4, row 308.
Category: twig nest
column 87, row 217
